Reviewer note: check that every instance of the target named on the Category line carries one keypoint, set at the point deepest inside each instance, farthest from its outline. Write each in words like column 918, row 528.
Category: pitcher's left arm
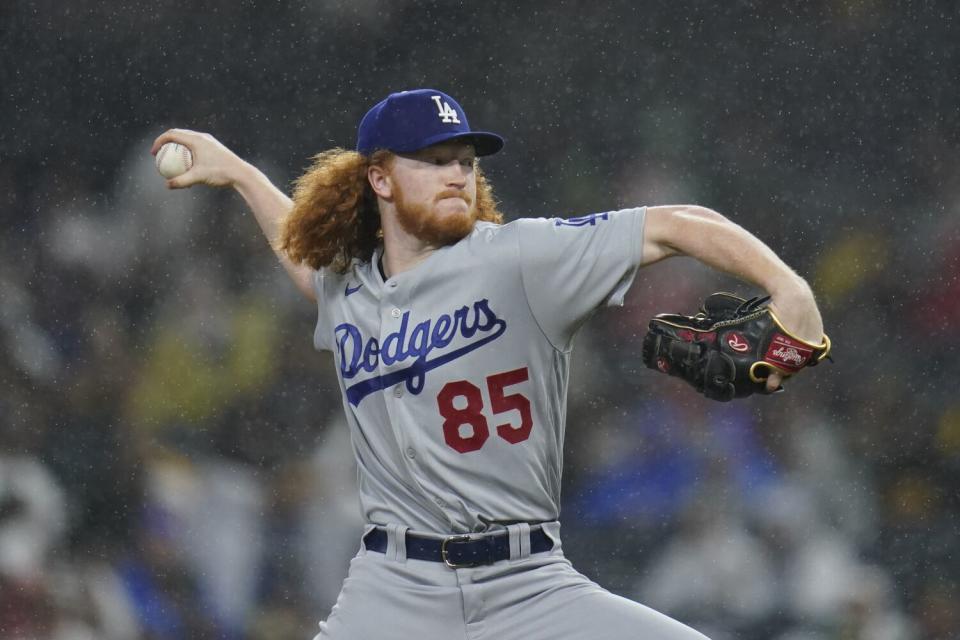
column 716, row 241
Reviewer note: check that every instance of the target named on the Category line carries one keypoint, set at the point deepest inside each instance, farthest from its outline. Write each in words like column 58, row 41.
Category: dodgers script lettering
column 478, row 324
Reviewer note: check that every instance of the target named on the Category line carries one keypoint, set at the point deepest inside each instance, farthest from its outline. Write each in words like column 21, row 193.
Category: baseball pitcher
column 452, row 333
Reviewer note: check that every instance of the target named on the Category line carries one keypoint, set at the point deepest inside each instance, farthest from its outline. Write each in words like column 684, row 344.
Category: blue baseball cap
column 411, row 120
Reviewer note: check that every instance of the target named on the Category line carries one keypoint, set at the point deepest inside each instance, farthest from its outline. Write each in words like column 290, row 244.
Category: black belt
column 462, row 551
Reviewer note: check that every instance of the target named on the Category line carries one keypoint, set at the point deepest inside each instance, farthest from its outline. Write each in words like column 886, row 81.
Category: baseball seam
column 160, row 156
column 187, row 159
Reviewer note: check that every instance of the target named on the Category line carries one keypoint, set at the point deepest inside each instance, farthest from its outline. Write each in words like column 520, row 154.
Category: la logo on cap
column 405, row 122
column 447, row 114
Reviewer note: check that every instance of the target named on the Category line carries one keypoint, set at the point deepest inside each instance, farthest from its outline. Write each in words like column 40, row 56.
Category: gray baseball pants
column 528, row 597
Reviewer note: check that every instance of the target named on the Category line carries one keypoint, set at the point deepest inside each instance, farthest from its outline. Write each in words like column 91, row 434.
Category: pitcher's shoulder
column 490, row 232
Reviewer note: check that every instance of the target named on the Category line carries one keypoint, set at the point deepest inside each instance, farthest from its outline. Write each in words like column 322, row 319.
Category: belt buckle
column 443, row 552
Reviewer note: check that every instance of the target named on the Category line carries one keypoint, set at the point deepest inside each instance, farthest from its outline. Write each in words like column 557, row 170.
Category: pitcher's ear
column 380, row 181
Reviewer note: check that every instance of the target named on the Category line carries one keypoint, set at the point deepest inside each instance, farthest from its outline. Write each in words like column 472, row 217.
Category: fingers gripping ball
column 173, row 159
column 728, row 349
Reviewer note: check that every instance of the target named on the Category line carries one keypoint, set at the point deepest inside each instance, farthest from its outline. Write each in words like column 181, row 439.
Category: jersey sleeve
column 570, row 267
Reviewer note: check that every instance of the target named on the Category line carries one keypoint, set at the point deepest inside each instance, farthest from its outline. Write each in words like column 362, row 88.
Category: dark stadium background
column 173, row 463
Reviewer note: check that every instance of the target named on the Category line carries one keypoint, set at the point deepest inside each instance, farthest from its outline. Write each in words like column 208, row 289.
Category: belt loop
column 513, row 532
column 396, row 542
column 524, row 539
column 519, row 540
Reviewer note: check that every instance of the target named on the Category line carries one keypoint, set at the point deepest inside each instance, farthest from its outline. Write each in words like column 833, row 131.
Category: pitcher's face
column 434, row 192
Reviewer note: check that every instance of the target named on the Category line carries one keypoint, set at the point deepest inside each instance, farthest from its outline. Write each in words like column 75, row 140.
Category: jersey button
column 440, row 502
column 392, row 284
column 395, row 313
column 411, row 453
column 398, row 390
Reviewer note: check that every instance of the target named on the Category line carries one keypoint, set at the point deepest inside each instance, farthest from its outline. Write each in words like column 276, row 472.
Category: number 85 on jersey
column 465, row 425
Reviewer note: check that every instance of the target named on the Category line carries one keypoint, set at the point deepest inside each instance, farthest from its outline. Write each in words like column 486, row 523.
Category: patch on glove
column 728, row 349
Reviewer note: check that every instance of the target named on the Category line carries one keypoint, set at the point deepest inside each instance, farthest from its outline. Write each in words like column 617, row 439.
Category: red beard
column 421, row 221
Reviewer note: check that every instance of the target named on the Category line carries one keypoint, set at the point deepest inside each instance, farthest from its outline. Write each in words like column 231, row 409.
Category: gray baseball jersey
column 454, row 373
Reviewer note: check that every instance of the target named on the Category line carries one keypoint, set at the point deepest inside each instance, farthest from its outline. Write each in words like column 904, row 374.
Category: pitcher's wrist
column 244, row 176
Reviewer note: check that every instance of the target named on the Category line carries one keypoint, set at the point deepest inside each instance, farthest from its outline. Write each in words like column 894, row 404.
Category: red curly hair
column 335, row 217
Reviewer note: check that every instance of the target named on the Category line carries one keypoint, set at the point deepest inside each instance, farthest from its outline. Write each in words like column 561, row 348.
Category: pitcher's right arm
column 216, row 166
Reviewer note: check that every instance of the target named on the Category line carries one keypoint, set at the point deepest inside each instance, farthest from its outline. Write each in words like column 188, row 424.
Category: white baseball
column 173, row 159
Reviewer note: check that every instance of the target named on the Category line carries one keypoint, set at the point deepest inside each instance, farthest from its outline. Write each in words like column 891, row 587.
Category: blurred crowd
column 173, row 459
